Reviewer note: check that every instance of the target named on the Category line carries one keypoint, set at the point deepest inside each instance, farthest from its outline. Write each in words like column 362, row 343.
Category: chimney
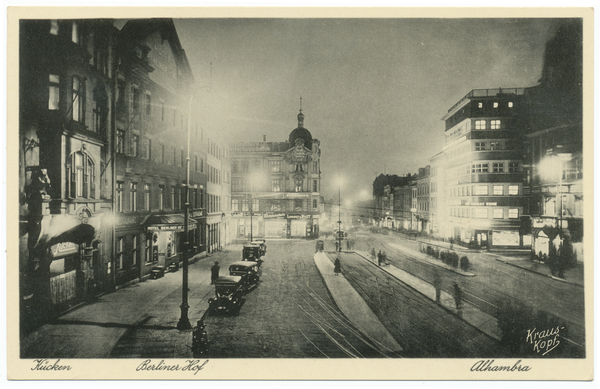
column 264, row 138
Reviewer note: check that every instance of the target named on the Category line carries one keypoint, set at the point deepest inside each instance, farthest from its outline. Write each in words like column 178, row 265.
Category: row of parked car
column 243, row 276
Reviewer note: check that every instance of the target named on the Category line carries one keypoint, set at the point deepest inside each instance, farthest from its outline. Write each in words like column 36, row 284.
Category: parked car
column 252, row 253
column 248, row 270
column 228, row 295
column 262, row 244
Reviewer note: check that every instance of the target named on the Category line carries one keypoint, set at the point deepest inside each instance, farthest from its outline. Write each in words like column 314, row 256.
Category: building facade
column 275, row 187
column 153, row 90
column 484, row 168
column 65, row 165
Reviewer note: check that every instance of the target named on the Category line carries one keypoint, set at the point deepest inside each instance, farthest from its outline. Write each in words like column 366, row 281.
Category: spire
column 300, row 115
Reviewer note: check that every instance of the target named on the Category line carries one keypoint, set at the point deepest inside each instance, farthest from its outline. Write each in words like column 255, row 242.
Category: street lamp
column 339, row 213
column 184, row 321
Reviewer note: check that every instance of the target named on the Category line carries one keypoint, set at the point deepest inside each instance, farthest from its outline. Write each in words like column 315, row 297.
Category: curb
column 541, row 274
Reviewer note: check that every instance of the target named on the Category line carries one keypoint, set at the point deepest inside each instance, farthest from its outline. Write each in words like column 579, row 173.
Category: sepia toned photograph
column 238, row 194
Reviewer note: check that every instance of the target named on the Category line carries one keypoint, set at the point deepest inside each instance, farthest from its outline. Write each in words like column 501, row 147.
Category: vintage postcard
column 300, row 193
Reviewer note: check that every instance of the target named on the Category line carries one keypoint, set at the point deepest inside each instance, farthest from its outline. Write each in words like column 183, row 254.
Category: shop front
column 165, row 235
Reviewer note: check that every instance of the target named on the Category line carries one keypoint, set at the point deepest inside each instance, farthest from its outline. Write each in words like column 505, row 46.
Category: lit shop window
column 495, row 104
column 510, row 104
column 513, row 190
column 54, row 27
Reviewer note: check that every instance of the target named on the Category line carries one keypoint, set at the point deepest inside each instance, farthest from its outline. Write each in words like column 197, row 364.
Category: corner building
column 280, row 183
column 484, row 168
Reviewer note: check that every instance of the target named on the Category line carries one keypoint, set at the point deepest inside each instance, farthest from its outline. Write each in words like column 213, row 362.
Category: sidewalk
column 486, row 323
column 115, row 327
column 517, row 257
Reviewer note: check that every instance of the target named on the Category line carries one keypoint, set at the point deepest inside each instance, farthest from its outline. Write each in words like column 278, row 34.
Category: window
column 54, row 27
column 78, row 98
column 148, row 258
column 498, row 213
column 480, row 213
column 53, row 92
column 315, row 186
column 82, row 176
column 480, row 105
column 245, row 205
column 119, row 253
column 510, row 104
column 235, row 205
column 148, row 103
column 275, row 205
column 149, row 149
column 479, row 146
column 134, row 251
column 146, row 197
column 498, row 190
column 498, row 167
column 495, row 124
column 495, row 104
column 479, row 168
column 315, row 204
column 195, row 163
column 513, row 213
column 120, row 141
column 161, row 197
column 235, row 168
column 513, row 190
column 201, row 165
column 136, row 100
column 315, row 167
column 135, row 141
column 298, row 204
column 480, row 124
column 480, row 190
column 75, row 33
column 513, row 167
column 276, row 185
column 133, row 197
column 495, row 145
column 255, row 205
column 119, row 199
column 174, row 156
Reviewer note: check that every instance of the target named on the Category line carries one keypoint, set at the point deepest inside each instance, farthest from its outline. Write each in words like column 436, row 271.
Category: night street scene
column 301, row 188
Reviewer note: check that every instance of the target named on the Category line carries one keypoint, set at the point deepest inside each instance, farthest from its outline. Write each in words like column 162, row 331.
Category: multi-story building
column 66, row 142
column 275, row 186
column 403, row 204
column 218, row 193
column 151, row 121
column 423, row 189
column 484, row 167
column 436, row 194
column 555, row 149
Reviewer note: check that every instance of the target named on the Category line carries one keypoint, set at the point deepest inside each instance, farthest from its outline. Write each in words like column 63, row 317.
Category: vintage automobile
column 262, row 244
column 252, row 253
column 228, row 295
column 248, row 270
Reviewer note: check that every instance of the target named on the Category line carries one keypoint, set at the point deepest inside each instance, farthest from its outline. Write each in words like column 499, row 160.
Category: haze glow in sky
column 374, row 90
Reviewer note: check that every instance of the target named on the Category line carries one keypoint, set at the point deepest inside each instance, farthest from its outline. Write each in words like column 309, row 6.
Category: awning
column 173, row 222
column 57, row 229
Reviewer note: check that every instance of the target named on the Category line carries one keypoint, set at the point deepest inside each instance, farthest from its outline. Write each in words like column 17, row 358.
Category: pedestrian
column 337, row 267
column 214, row 272
column 348, row 245
column 337, row 246
column 437, row 284
column 379, row 258
column 458, row 298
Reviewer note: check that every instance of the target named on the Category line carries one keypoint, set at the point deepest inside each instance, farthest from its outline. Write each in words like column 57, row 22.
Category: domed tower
column 300, row 132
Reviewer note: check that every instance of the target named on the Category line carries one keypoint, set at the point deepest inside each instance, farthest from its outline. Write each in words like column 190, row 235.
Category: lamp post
column 184, row 321
column 251, row 201
column 339, row 213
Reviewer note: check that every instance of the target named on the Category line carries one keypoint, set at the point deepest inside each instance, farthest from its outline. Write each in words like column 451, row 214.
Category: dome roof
column 301, row 133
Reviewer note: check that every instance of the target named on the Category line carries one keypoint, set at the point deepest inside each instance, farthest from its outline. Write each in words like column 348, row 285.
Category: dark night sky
column 374, row 90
